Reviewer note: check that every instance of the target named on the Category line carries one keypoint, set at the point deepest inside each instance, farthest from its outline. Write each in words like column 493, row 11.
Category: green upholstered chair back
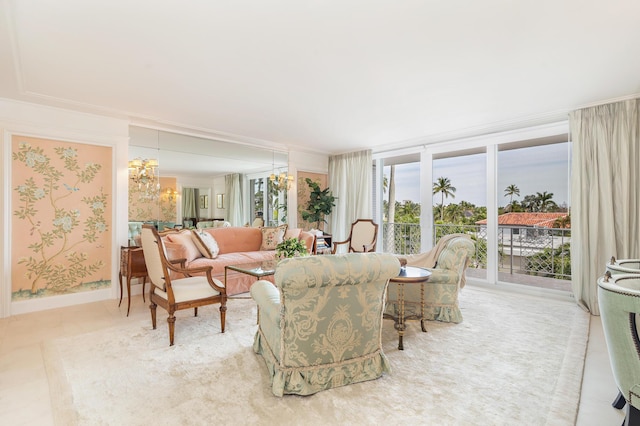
column 331, row 306
column 623, row 266
column 456, row 255
column 619, row 301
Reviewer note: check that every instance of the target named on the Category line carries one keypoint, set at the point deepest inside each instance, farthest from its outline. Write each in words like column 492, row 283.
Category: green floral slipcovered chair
column 619, row 302
column 447, row 262
column 320, row 326
column 135, row 229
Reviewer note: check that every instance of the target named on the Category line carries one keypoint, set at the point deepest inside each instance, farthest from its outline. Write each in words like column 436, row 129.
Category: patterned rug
column 515, row 359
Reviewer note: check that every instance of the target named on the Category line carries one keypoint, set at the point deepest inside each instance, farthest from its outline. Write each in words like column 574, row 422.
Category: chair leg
column 172, row 327
column 120, row 280
column 153, row 307
column 223, row 314
column 144, row 283
column 619, row 401
column 195, row 311
column 633, row 416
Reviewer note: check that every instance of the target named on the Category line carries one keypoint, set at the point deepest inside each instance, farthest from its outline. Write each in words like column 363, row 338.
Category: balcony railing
column 542, row 252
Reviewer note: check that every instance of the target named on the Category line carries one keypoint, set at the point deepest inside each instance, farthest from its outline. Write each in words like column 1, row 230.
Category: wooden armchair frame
column 360, row 225
column 170, row 293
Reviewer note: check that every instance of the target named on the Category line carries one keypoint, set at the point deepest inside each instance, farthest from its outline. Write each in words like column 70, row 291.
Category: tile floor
column 24, row 389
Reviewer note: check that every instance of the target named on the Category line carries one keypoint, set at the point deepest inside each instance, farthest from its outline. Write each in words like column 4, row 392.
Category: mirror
column 191, row 165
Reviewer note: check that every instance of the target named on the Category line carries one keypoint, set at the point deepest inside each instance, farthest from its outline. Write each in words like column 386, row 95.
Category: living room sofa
column 236, row 246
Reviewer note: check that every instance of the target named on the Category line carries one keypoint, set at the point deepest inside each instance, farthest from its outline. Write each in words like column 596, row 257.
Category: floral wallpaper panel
column 152, row 203
column 303, row 194
column 61, row 217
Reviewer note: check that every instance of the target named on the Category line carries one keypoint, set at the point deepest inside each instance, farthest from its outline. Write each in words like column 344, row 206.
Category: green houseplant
column 321, row 203
column 291, row 247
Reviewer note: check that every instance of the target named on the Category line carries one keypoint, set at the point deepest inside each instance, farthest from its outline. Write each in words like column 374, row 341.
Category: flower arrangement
column 291, row 247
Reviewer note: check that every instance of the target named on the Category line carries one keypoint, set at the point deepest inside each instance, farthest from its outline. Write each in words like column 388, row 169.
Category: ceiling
column 327, row 76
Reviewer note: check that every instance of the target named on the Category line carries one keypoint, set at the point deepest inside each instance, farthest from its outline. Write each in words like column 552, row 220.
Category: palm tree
column 529, row 203
column 510, row 191
column 545, row 202
column 410, row 208
column 562, row 222
column 454, row 213
column 444, row 187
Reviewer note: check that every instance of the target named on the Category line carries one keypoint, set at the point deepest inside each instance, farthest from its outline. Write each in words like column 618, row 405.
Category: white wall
column 219, row 188
column 55, row 123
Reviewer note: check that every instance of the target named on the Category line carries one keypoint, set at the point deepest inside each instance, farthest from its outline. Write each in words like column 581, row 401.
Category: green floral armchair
column 447, row 261
column 320, row 325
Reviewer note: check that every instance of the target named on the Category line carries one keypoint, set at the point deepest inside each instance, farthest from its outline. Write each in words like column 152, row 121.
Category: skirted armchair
column 320, row 326
column 447, row 262
column 619, row 301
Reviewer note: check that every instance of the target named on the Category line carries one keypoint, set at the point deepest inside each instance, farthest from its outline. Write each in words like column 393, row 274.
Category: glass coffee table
column 255, row 269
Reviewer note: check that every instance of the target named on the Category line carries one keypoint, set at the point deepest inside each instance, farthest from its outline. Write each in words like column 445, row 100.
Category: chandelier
column 143, row 174
column 282, row 181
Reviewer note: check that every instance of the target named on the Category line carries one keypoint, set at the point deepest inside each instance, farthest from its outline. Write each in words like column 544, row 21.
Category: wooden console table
column 132, row 266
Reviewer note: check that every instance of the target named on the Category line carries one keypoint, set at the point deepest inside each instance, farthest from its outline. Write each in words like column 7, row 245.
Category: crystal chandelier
column 143, row 174
column 282, row 180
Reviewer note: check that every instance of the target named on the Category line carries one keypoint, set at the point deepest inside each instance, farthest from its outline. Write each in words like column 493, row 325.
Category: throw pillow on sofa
column 292, row 233
column 272, row 236
column 185, row 239
column 207, row 245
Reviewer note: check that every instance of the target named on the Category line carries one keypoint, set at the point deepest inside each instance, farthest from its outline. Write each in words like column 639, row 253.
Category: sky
column 534, row 169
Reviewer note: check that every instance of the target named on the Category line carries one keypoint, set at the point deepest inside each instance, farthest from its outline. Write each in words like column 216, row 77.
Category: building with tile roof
column 528, row 219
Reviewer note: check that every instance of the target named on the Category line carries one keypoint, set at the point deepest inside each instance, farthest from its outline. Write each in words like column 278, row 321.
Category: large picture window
column 510, row 194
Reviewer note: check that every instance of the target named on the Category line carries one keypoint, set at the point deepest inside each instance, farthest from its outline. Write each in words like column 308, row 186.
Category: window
column 523, row 171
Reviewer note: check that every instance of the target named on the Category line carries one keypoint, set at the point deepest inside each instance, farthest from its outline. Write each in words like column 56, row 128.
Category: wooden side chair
column 362, row 237
column 177, row 294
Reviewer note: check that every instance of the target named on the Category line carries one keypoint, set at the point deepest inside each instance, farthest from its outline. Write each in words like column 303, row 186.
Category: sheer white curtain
column 236, row 212
column 605, row 192
column 350, row 180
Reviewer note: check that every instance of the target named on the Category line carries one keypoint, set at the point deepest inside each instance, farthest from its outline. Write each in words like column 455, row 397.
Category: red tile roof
column 540, row 220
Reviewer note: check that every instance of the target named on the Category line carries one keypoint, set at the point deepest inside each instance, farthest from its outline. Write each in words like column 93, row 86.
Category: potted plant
column 291, row 247
column 321, row 203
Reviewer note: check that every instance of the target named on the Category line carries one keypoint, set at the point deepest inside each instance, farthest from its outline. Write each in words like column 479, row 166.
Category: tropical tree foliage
column 443, row 187
column 510, row 191
column 551, row 262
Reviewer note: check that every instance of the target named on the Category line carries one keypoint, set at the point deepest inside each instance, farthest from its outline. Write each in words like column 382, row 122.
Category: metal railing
column 542, row 252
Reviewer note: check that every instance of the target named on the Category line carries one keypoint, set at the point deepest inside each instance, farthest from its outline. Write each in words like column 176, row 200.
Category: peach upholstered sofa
column 235, row 246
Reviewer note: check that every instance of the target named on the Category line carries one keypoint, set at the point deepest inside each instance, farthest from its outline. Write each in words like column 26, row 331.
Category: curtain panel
column 236, row 214
column 189, row 203
column 350, row 180
column 605, row 192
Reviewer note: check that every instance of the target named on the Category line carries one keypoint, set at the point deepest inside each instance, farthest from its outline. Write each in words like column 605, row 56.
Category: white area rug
column 514, row 360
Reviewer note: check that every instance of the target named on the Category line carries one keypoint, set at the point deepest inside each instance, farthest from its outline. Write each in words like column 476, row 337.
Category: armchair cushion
column 190, row 288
